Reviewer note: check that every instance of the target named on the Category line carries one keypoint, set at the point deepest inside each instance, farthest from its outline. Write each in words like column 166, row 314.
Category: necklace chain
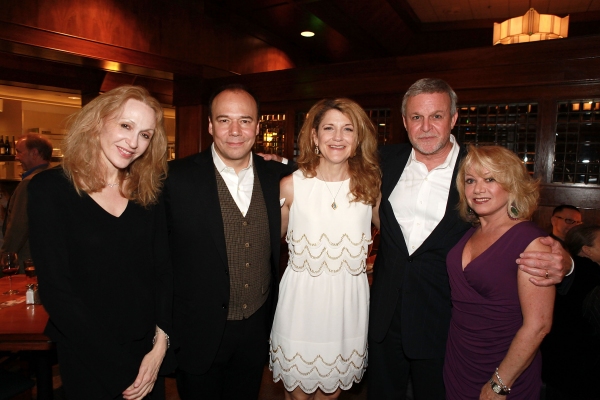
column 334, row 205
column 112, row 185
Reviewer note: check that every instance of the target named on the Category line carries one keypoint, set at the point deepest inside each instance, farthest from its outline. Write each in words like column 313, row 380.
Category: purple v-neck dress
column 486, row 315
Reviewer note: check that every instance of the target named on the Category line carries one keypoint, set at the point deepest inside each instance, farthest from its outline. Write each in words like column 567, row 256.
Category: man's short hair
column 39, row 143
column 234, row 87
column 565, row 207
column 430, row 86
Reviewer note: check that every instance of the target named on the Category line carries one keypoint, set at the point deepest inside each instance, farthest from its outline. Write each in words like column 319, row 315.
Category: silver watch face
column 496, row 388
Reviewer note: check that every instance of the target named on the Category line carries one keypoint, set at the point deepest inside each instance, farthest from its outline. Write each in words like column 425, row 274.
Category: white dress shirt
column 420, row 197
column 240, row 185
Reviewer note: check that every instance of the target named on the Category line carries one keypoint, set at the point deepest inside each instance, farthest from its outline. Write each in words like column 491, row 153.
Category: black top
column 105, row 281
column 571, row 351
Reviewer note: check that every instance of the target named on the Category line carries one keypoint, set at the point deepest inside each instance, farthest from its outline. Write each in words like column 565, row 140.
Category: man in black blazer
column 410, row 297
column 224, row 230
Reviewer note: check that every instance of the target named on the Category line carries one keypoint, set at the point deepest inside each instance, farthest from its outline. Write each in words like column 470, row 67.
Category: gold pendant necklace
column 334, row 205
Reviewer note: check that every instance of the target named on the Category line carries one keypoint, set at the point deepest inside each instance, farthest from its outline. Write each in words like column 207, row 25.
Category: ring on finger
column 547, row 275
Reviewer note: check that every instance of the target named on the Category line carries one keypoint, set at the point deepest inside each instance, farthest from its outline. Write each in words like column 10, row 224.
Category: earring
column 317, row 150
column 470, row 211
column 514, row 212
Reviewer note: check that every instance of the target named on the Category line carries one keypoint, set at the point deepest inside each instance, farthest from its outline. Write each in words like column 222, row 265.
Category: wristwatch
column 498, row 389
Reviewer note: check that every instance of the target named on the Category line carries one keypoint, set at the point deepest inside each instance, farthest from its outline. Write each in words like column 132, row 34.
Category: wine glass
column 10, row 266
column 29, row 270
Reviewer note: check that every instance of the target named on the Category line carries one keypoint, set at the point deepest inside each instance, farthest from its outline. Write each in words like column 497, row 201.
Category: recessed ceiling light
column 307, row 34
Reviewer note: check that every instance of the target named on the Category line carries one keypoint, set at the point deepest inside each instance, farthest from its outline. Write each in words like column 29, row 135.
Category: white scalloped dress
column 319, row 335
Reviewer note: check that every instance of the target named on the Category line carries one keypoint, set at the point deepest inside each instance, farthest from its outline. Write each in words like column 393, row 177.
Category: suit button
column 224, row 306
column 244, row 306
column 246, row 286
column 247, row 264
column 244, row 223
column 409, row 259
column 226, row 272
column 247, row 245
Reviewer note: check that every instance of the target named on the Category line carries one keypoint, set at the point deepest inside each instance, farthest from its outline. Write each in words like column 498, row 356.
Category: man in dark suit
column 410, row 297
column 224, row 222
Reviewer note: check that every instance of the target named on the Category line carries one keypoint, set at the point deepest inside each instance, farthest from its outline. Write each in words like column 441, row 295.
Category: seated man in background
column 33, row 151
column 564, row 217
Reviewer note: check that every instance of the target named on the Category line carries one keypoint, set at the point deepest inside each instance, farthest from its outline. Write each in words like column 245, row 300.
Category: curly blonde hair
column 509, row 171
column 142, row 180
column 365, row 175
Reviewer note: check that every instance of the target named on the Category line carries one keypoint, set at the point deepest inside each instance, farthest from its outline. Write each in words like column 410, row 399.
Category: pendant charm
column 334, row 206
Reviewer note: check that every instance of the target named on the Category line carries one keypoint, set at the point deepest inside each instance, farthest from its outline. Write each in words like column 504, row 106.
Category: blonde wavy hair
column 509, row 171
column 365, row 175
column 142, row 180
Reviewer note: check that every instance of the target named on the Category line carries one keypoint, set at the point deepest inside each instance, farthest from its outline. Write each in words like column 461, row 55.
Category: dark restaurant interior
column 539, row 99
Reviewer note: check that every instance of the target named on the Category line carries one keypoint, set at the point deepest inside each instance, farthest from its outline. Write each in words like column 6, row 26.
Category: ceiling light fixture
column 530, row 27
column 307, row 34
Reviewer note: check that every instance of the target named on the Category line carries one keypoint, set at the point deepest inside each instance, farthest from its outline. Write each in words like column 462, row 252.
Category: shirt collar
column 448, row 162
column 30, row 171
column 220, row 165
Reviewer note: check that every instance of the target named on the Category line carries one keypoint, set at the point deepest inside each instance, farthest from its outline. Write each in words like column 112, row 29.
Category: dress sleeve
column 164, row 285
column 75, row 325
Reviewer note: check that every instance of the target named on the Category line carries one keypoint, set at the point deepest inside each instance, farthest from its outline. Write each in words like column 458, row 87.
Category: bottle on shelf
column 2, row 147
column 11, row 147
column 7, row 146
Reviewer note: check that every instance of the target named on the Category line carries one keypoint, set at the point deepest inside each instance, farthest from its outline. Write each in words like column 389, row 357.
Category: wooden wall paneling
column 587, row 197
column 543, row 64
column 113, row 57
column 544, row 154
column 188, row 120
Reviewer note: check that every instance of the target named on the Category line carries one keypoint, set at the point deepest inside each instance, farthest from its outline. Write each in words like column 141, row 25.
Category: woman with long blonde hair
column 499, row 317
column 99, row 241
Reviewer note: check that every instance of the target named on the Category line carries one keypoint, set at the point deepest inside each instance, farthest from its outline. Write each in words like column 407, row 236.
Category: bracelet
column 502, row 385
column 164, row 333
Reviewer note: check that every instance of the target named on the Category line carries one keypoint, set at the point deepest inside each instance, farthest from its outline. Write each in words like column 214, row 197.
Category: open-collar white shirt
column 420, row 197
column 240, row 185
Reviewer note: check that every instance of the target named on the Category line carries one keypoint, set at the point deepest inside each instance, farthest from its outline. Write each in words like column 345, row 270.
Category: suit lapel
column 207, row 196
column 392, row 173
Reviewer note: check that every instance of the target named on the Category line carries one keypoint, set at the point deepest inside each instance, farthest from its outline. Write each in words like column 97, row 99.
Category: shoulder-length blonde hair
column 142, row 180
column 365, row 175
column 509, row 171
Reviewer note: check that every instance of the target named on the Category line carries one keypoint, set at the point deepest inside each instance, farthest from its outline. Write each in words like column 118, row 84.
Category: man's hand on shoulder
column 546, row 269
column 272, row 157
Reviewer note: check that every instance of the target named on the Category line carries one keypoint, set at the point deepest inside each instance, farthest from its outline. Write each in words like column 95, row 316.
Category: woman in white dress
column 319, row 335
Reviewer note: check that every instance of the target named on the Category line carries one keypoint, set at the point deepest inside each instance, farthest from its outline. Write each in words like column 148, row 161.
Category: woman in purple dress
column 499, row 318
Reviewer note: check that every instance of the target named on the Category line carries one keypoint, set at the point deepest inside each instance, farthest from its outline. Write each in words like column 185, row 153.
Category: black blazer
column 418, row 283
column 199, row 254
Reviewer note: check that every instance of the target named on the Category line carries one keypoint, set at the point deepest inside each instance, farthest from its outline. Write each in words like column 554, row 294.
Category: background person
column 498, row 317
column 319, row 336
column 99, row 241
column 224, row 223
column 34, row 152
column 564, row 218
column 575, row 337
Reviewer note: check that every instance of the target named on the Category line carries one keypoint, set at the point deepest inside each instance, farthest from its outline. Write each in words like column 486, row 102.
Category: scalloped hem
column 319, row 385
